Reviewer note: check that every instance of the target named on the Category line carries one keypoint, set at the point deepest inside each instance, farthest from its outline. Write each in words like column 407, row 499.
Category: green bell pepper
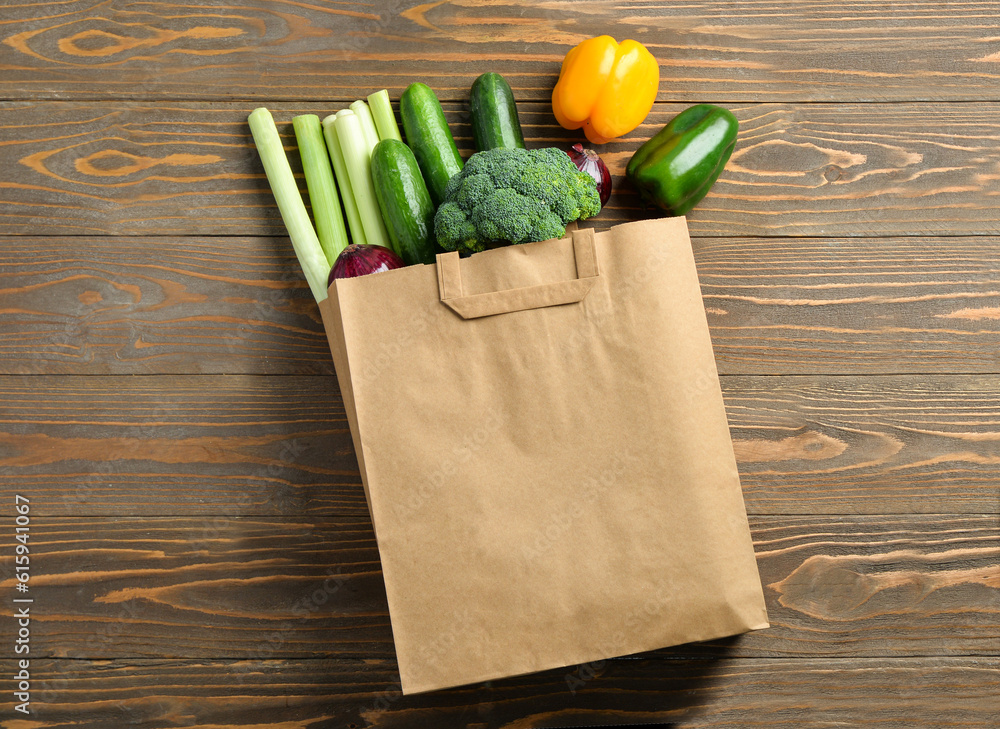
column 676, row 168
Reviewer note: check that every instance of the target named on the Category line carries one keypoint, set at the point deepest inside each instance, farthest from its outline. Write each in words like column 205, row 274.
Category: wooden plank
column 157, row 305
column 850, row 305
column 866, row 445
column 165, row 305
column 877, row 586
column 930, row 693
column 254, row 588
column 90, row 168
column 255, row 446
column 834, row 50
column 192, row 445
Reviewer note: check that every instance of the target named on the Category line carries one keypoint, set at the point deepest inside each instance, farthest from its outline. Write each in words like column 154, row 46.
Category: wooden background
column 201, row 551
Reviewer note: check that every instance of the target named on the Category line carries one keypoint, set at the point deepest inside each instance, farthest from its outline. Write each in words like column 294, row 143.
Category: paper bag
column 545, row 454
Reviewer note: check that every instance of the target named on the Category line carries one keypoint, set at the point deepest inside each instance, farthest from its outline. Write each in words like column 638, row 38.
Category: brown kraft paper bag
column 545, row 454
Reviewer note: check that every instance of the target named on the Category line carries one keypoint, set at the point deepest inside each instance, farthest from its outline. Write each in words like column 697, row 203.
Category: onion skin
column 587, row 160
column 360, row 259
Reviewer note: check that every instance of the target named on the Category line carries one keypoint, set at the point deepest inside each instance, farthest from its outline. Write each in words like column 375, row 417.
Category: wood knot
column 118, row 163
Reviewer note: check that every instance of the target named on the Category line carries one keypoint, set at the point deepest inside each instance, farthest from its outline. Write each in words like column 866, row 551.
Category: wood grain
column 847, row 305
column 824, row 170
column 196, row 445
column 252, row 446
column 253, row 588
column 929, row 693
column 84, row 305
column 239, row 305
column 866, row 445
column 347, row 694
column 780, row 50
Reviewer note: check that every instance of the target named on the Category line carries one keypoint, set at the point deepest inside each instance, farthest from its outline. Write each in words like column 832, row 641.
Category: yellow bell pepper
column 605, row 87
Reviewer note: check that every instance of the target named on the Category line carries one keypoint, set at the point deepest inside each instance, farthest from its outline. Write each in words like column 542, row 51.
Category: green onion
column 364, row 114
column 322, row 189
column 357, row 159
column 286, row 194
column 385, row 120
column 343, row 180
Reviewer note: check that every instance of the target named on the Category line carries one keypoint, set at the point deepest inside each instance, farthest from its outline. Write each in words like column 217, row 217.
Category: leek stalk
column 364, row 114
column 343, row 180
column 306, row 244
column 322, row 189
column 357, row 159
column 385, row 120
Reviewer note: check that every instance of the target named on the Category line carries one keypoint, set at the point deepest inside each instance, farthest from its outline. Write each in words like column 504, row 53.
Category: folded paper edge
column 336, row 338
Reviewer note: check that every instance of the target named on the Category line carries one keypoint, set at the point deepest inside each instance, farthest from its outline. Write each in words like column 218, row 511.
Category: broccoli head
column 504, row 196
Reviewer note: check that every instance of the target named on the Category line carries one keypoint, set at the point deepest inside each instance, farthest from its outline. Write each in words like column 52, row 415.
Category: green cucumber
column 405, row 203
column 429, row 137
column 494, row 114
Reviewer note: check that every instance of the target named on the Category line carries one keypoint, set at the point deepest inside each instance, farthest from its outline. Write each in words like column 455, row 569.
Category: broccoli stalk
column 506, row 195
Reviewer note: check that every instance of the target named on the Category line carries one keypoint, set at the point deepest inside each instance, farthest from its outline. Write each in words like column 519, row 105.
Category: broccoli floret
column 504, row 196
column 451, row 220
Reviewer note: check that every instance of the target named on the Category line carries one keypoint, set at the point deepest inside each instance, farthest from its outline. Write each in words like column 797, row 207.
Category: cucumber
column 429, row 137
column 405, row 203
column 494, row 114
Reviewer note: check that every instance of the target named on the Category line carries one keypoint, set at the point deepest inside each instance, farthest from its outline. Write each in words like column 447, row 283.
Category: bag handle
column 473, row 306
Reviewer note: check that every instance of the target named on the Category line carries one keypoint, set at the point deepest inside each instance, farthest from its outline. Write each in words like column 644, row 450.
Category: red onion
column 587, row 160
column 361, row 259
